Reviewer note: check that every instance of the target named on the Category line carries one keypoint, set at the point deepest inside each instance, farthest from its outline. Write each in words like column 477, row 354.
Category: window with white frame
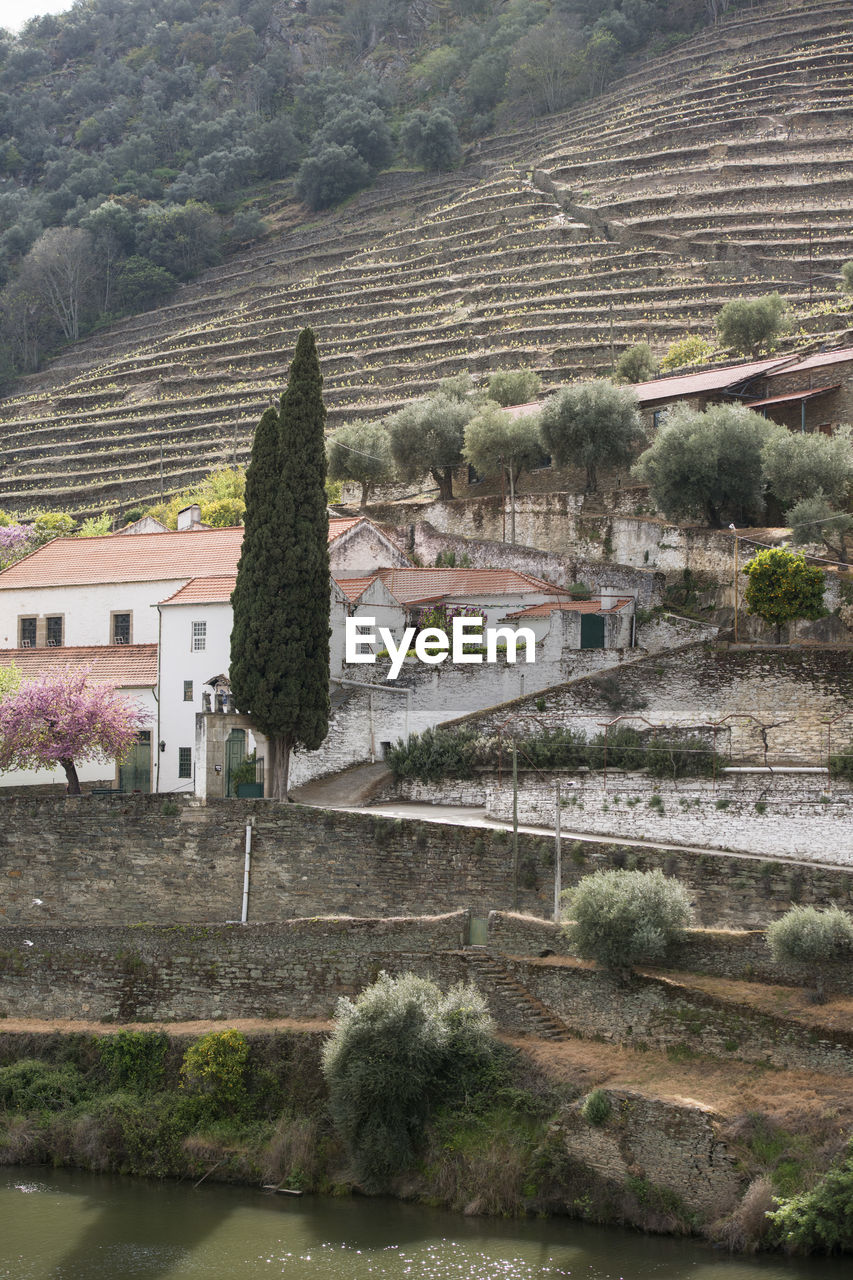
column 199, row 636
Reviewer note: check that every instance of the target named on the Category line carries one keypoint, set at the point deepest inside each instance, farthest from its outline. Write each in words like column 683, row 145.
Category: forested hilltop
column 139, row 138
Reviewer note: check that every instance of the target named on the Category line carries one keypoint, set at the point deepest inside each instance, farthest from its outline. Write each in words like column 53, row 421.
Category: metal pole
column 558, row 849
column 735, row 585
column 514, row 826
column 511, row 507
column 612, row 349
column 244, row 915
column 503, row 501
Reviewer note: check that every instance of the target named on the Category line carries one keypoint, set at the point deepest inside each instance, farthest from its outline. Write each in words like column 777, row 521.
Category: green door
column 592, row 631
column 135, row 773
column 235, row 754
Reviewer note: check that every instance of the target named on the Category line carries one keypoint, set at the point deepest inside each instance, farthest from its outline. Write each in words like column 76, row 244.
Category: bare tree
column 60, row 269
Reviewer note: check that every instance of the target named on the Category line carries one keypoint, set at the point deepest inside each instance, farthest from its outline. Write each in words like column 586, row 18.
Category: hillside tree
column 815, row 520
column 636, row 364
column 707, row 465
column 427, row 435
column 361, row 452
column 280, row 636
column 749, row 325
column 63, row 719
column 514, row 386
column 796, row 466
column 624, row 918
column 592, row 425
column 60, row 269
column 783, row 588
column 496, row 442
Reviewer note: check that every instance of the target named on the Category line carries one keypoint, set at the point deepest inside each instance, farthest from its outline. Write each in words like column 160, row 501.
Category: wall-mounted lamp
column 217, row 768
column 162, row 745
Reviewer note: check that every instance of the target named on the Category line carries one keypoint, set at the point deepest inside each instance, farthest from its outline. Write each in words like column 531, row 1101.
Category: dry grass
column 835, row 1014
column 746, row 1227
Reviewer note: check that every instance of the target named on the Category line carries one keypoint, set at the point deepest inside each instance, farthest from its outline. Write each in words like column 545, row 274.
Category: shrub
column 514, row 386
column 431, row 139
column 679, row 758
column 396, row 1051
column 596, row 1107
column 748, row 325
column 820, row 1220
column 134, row 1059
column 433, row 755
column 811, row 938
column 623, row 918
column 33, row 1085
column 215, row 1067
column 686, row 351
column 782, row 588
column 636, row 364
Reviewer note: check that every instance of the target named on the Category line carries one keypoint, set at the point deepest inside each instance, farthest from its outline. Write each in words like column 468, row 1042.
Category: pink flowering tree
column 63, row 719
column 15, row 541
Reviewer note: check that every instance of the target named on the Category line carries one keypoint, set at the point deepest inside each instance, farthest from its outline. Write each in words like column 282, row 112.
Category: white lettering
column 467, row 629
column 396, row 652
column 512, row 637
column 432, row 645
column 357, row 637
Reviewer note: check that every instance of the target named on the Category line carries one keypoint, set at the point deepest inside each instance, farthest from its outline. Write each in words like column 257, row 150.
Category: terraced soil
column 724, row 168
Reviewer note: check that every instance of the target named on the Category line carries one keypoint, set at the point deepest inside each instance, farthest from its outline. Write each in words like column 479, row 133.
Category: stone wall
column 652, row 1011
column 739, row 954
column 96, row 861
column 790, row 694
column 760, row 812
column 296, row 969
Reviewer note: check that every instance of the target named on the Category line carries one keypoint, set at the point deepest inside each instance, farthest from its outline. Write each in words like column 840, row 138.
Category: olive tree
column 708, row 465
column 496, row 442
column 625, row 918
column 360, row 452
column 815, row 520
column 748, row 325
column 593, row 425
column 636, row 364
column 427, row 436
column 812, row 939
column 514, row 386
column 796, row 466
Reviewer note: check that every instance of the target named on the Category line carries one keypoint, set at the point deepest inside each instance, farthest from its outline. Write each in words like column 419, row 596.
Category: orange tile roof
column 353, row 588
column 569, row 606
column 128, row 666
column 410, row 586
column 819, row 360
column 691, row 384
column 145, row 557
column 214, row 589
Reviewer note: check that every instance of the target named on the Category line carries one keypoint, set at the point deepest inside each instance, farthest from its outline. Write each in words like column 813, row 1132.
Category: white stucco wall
column 86, row 610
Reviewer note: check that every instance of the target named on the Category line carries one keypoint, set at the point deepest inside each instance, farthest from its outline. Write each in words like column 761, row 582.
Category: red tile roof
column 792, row 396
column 145, row 557
column 817, row 361
column 127, row 666
column 569, row 606
column 353, row 588
column 410, row 586
column 215, row 589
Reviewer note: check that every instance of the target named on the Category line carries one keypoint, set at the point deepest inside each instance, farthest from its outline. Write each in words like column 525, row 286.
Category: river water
column 67, row 1225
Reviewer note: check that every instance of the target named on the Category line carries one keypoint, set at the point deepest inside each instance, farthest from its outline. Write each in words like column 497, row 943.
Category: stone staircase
column 512, row 1005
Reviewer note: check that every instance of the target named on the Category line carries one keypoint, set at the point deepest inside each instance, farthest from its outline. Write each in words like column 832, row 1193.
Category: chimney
column 189, row 518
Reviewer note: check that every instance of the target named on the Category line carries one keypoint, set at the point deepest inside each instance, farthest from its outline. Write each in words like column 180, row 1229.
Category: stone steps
column 514, row 1006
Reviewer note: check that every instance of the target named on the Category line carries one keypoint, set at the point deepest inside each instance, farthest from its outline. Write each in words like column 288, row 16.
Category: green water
column 63, row 1225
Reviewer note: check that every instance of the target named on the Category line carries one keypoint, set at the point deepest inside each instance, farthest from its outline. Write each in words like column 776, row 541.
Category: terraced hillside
column 720, row 170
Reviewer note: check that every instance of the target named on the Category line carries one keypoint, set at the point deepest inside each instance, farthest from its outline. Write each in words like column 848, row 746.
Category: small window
column 28, row 633
column 185, row 762
column 121, row 628
column 54, row 631
column 199, row 636
column 188, row 691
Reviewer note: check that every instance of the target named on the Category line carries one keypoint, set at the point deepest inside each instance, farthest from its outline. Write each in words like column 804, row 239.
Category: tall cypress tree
column 280, row 637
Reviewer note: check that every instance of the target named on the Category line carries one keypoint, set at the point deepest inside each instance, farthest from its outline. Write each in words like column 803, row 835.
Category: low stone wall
column 296, row 970
column 658, row 1012
column 742, row 955
column 768, row 814
column 667, row 1144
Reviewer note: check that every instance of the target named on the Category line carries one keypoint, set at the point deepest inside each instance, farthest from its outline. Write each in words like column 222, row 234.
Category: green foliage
column 847, row 277
column 596, row 1108
column 514, row 386
column 431, row 139
column 686, row 352
column 427, row 435
column 399, row 1050
column 624, row 918
column 246, row 770
column 783, row 587
column 494, row 440
column 819, row 1220
column 34, row 1085
column 214, row 1067
column 841, row 763
column 592, row 425
column 811, row 937
column 360, row 452
column 797, row 466
column 284, row 685
column 815, row 520
column 330, row 174
column 748, row 326
column 708, row 465
column 134, row 1060
column 433, row 755
column 636, row 364
column 220, row 496
column 96, row 526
